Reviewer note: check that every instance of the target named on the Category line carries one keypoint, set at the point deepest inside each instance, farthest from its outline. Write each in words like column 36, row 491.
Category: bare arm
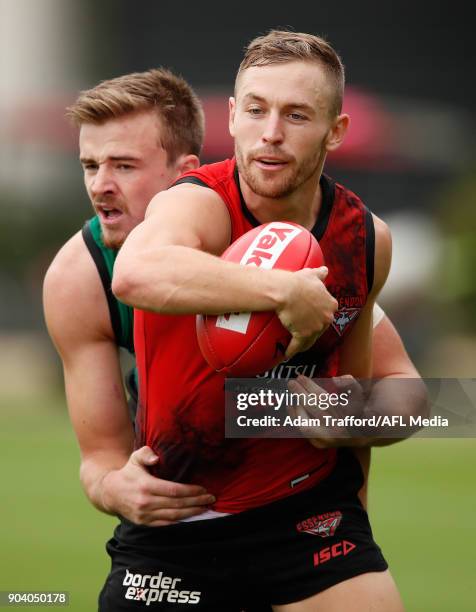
column 114, row 478
column 390, row 357
column 378, row 354
column 388, row 361
column 170, row 264
column 399, row 389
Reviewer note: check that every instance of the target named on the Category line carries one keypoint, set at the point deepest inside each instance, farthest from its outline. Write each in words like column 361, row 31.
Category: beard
column 113, row 239
column 289, row 179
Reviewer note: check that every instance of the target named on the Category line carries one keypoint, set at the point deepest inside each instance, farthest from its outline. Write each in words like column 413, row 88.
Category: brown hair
column 170, row 95
column 280, row 46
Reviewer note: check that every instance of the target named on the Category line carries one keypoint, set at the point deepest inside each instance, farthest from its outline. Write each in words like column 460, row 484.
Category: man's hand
column 308, row 308
column 134, row 494
column 329, row 436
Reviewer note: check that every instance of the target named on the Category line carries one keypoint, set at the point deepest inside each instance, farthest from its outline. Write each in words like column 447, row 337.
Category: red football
column 246, row 344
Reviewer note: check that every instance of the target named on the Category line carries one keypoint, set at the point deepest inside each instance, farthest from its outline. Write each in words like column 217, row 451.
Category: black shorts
column 280, row 553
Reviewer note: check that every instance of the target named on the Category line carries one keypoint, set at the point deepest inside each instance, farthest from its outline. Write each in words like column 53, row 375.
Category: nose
column 273, row 129
column 102, row 183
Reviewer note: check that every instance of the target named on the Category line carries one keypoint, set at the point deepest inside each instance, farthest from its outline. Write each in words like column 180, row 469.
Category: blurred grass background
column 422, row 508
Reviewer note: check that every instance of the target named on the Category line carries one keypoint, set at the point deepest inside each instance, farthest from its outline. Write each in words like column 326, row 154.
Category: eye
column 297, row 117
column 255, row 111
column 90, row 167
column 124, row 166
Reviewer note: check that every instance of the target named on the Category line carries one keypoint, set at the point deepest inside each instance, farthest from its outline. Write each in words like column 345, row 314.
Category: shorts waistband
column 342, row 484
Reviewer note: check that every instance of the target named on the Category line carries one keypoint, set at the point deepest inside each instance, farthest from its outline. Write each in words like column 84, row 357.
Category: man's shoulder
column 210, row 174
column 72, row 263
column 216, row 184
column 346, row 194
column 72, row 292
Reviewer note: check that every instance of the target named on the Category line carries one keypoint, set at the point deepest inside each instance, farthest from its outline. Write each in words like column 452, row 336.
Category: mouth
column 109, row 214
column 270, row 163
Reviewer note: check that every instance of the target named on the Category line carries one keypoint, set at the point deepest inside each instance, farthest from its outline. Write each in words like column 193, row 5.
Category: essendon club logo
column 323, row 525
column 343, row 317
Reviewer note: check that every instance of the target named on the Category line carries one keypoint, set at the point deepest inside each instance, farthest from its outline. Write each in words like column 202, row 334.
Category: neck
column 301, row 206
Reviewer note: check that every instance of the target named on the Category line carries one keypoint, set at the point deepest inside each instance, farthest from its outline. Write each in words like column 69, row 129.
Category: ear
column 336, row 134
column 187, row 162
column 231, row 119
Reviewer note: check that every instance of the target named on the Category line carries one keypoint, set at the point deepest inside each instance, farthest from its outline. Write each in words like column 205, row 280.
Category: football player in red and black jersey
column 285, row 117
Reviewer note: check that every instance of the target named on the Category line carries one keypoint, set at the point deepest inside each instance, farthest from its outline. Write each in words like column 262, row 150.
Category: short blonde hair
column 280, row 46
column 158, row 89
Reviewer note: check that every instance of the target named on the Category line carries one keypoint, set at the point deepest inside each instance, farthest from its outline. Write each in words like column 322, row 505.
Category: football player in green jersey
column 138, row 133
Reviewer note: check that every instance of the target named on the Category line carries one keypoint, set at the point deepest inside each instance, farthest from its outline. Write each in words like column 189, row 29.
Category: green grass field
column 422, row 507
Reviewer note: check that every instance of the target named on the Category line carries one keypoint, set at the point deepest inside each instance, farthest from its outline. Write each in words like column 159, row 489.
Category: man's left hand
column 331, row 435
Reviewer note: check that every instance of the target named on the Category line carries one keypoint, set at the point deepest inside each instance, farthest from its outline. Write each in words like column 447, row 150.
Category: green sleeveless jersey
column 122, row 316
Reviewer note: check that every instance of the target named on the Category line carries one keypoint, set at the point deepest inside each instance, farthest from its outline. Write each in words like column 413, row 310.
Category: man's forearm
column 93, row 472
column 182, row 280
column 373, row 416
column 396, row 397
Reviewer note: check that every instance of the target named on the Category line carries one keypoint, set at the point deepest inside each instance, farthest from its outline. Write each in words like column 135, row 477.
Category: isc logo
column 263, row 252
column 344, row 547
